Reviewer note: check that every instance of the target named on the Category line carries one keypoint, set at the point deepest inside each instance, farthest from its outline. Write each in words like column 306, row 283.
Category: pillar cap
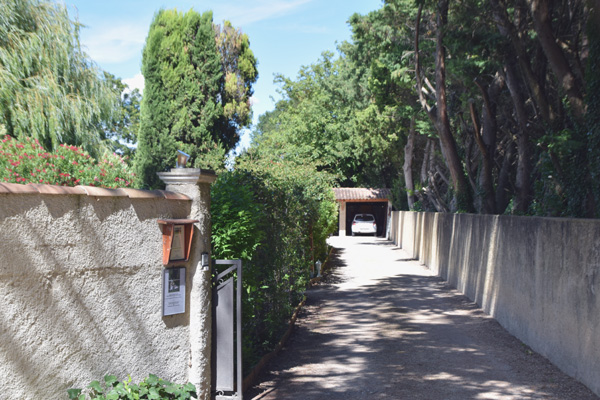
column 187, row 176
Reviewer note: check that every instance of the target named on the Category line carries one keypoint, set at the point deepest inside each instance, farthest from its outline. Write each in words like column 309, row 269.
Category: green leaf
column 73, row 393
column 112, row 395
column 110, row 380
column 153, row 394
column 95, row 385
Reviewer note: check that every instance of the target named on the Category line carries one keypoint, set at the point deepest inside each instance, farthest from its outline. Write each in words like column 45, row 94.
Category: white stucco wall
column 80, row 291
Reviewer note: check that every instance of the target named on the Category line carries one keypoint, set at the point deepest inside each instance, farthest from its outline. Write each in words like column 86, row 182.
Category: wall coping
column 92, row 191
column 187, row 176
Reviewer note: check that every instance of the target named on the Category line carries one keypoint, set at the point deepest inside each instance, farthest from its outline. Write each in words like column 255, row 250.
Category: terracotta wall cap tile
column 174, row 196
column 143, row 194
column 35, row 188
column 55, row 189
column 102, row 192
column 17, row 188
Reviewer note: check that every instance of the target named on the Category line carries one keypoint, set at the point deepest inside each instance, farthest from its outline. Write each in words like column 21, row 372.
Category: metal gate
column 227, row 332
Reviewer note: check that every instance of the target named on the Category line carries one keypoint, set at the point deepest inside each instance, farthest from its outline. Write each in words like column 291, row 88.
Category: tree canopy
column 324, row 119
column 474, row 105
column 120, row 131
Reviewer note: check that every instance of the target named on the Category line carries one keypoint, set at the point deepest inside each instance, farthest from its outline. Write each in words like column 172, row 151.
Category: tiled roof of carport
column 361, row 194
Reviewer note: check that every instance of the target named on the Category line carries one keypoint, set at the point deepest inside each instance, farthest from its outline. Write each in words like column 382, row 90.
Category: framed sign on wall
column 177, row 237
column 173, row 291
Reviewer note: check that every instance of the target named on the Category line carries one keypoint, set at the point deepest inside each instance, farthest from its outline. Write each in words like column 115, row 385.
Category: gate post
column 195, row 183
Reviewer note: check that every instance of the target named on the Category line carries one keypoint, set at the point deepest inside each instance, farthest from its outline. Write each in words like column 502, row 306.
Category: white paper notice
column 177, row 244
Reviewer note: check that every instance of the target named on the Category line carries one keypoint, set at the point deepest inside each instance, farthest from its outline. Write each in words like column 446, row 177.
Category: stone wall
column 539, row 277
column 81, row 289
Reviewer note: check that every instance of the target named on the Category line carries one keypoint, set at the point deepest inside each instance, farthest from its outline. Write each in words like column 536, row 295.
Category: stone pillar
column 195, row 183
column 342, row 218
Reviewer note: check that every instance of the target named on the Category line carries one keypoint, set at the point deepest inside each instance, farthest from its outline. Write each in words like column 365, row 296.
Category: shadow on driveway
column 381, row 327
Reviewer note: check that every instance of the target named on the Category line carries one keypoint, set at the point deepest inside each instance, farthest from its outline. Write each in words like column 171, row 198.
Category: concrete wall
column 81, row 289
column 539, row 277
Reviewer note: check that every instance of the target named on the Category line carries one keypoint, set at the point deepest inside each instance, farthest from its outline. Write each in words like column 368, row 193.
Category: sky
column 284, row 34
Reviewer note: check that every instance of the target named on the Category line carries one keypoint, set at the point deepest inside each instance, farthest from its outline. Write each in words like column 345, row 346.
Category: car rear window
column 364, row 217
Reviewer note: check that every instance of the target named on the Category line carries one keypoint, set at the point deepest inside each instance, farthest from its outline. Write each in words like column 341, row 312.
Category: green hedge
column 276, row 217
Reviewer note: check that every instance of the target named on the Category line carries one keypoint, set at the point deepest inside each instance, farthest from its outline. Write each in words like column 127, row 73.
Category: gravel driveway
column 382, row 327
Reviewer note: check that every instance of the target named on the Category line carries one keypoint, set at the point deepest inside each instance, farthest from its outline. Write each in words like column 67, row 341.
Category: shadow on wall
column 539, row 277
column 80, row 279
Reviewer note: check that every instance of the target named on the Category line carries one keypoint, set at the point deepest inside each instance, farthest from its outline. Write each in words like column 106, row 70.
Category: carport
column 353, row 201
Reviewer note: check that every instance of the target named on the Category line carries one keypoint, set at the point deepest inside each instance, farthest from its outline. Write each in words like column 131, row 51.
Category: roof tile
column 143, row 194
column 34, row 188
column 174, row 196
column 55, row 189
column 103, row 192
column 17, row 188
column 361, row 194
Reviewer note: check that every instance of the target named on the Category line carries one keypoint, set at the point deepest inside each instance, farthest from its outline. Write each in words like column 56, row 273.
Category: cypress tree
column 180, row 107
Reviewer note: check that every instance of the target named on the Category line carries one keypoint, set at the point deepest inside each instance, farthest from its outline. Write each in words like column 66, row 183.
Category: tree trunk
column 408, row 162
column 489, row 200
column 433, row 193
column 524, row 193
column 593, row 99
column 594, row 5
column 486, row 140
column 429, row 110
column 508, row 30
column 503, row 190
column 461, row 189
column 425, row 162
column 540, row 11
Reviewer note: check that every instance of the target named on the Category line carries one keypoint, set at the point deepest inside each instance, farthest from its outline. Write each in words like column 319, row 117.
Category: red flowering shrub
column 27, row 162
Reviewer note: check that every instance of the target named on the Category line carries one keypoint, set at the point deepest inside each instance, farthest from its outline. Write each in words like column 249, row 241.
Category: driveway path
column 382, row 327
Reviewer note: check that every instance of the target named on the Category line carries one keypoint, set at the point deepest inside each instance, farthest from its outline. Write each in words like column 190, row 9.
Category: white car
column 364, row 223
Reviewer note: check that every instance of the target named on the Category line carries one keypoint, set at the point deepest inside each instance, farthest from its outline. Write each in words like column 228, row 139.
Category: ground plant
column 26, row 161
column 151, row 388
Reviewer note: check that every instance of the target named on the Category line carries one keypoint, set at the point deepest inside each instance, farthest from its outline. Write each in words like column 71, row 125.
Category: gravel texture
column 380, row 326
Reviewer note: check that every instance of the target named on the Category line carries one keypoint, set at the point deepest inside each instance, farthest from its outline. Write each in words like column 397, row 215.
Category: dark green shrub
column 276, row 217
